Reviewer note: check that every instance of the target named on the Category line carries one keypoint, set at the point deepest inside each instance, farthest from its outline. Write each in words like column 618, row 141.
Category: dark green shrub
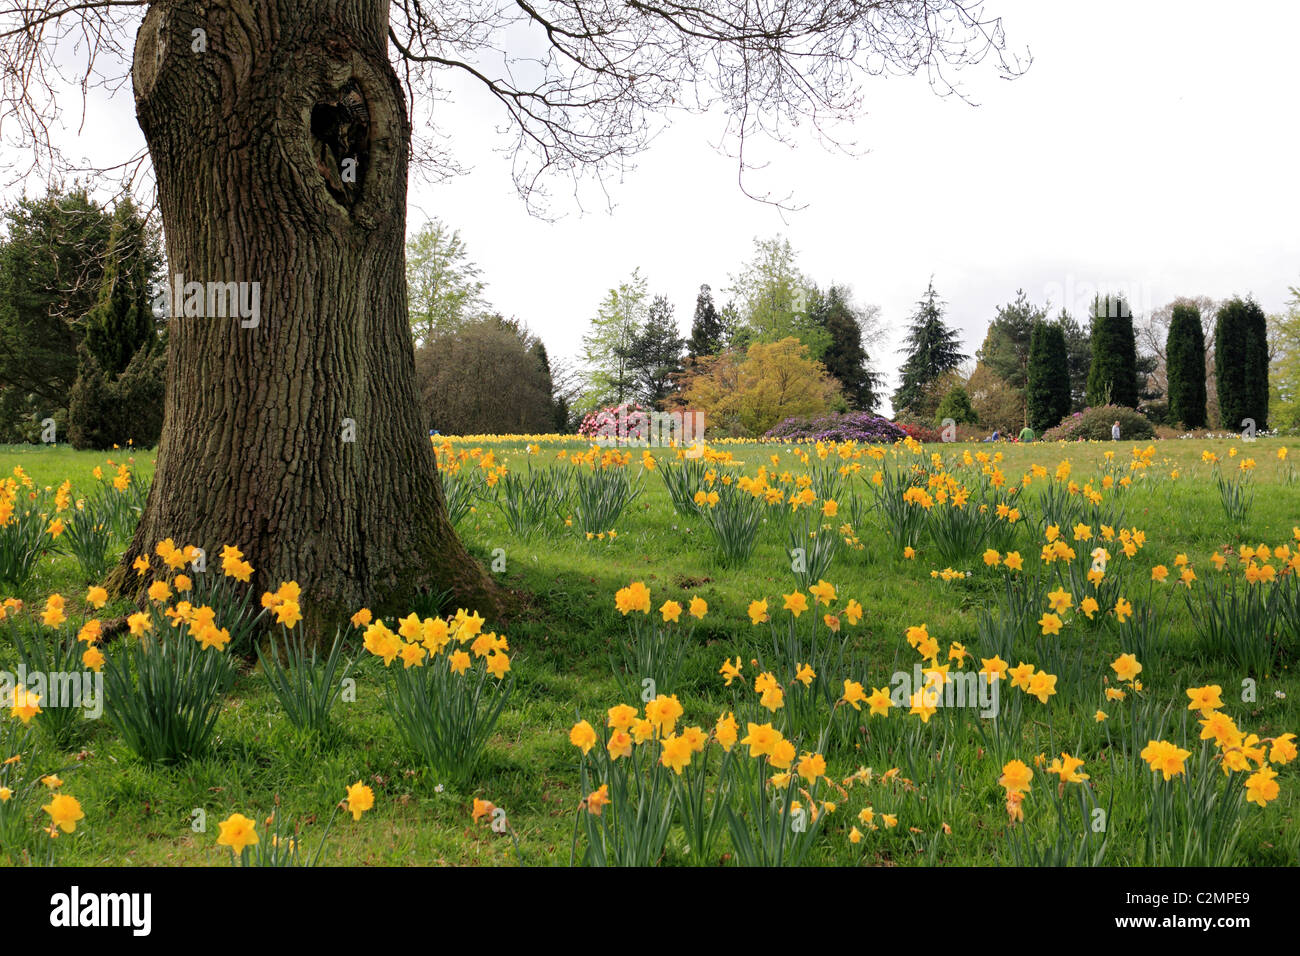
column 103, row 411
column 956, row 405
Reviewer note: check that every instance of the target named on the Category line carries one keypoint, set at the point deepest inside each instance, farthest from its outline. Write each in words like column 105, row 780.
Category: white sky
column 1151, row 148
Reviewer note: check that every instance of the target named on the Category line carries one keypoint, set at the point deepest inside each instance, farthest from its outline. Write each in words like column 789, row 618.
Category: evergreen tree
column 1078, row 347
column 120, row 323
column 51, row 266
column 559, row 407
column 1113, row 374
column 1241, row 364
column 105, row 410
column 1006, row 348
column 845, row 359
column 707, row 329
column 75, row 284
column 656, row 356
column 932, row 349
column 1048, row 377
column 90, row 415
column 1147, row 369
column 1058, row 361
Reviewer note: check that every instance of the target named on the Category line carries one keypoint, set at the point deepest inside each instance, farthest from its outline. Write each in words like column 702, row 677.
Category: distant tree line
column 779, row 345
column 477, row 371
column 83, row 344
column 1034, row 371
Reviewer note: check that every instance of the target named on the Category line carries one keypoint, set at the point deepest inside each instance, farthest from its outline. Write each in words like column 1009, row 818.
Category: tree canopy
column 443, row 285
column 748, row 394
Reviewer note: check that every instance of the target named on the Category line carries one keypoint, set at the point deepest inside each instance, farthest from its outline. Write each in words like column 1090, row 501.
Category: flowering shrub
column 629, row 420
column 851, row 426
column 1094, row 424
column 922, row 433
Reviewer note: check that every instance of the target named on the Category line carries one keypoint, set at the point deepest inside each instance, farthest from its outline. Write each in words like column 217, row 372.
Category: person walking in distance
column 1114, row 432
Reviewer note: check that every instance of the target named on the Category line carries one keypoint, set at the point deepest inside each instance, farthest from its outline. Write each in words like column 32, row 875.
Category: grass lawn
column 945, row 792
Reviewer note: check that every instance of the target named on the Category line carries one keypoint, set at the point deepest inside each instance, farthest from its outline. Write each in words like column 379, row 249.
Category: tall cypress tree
column 1048, row 376
column 1185, row 366
column 708, row 331
column 1113, row 375
column 932, row 349
column 1058, row 361
column 1037, row 395
column 1241, row 363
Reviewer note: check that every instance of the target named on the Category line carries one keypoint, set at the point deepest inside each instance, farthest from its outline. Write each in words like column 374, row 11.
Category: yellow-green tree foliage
column 1284, row 380
column 746, row 395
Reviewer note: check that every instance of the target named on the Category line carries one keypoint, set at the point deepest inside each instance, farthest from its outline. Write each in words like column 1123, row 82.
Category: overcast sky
column 1151, row 148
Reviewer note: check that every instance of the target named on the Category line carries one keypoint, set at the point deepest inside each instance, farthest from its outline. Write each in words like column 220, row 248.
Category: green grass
column 560, row 644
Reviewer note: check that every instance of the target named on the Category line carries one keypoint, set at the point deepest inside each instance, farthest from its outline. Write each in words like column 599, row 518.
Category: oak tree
column 279, row 135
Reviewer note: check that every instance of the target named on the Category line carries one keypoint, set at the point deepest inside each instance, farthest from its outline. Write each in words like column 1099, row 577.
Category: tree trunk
column 292, row 431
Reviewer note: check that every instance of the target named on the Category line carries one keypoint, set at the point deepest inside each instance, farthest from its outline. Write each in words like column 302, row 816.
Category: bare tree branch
column 582, row 86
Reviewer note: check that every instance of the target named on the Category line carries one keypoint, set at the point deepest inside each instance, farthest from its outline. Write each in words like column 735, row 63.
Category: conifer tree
column 845, row 359
column 1113, row 374
column 932, row 348
column 1048, row 390
column 707, row 328
column 1241, row 364
column 1185, row 366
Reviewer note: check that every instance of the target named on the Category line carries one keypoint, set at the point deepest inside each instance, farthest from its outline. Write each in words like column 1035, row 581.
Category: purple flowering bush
column 836, row 427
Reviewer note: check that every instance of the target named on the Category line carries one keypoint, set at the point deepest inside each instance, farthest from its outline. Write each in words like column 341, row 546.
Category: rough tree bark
column 248, row 124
